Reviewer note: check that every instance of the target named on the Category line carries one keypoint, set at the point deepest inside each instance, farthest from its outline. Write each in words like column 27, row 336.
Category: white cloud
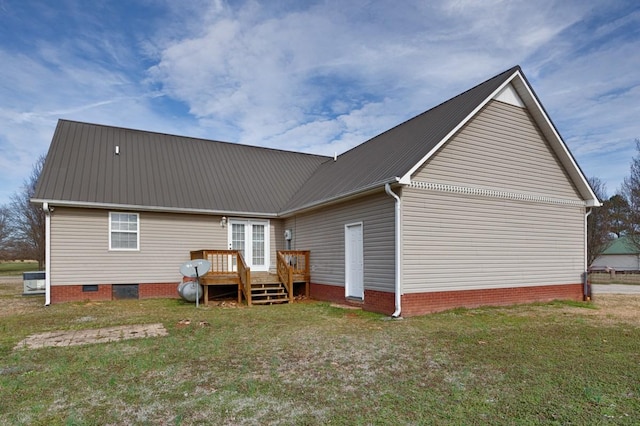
column 316, row 76
column 260, row 75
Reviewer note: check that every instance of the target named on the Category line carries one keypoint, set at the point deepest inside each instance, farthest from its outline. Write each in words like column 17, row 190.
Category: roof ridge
column 418, row 116
column 152, row 132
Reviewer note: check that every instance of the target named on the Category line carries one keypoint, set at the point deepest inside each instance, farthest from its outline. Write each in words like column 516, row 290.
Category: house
column 477, row 201
column 621, row 255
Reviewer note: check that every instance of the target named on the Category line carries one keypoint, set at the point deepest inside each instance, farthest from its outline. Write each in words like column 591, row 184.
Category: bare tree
column 598, row 224
column 631, row 191
column 5, row 233
column 28, row 219
column 618, row 211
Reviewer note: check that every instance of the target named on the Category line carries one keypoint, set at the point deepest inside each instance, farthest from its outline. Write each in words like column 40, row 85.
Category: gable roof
column 621, row 246
column 155, row 171
column 396, row 154
column 165, row 172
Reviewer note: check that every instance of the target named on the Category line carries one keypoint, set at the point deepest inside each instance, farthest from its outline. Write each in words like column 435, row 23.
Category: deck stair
column 266, row 289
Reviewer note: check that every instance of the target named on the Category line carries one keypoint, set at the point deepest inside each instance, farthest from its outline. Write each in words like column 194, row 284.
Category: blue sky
column 316, row 76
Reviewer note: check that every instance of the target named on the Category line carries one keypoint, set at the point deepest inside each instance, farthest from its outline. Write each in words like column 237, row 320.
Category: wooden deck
column 229, row 268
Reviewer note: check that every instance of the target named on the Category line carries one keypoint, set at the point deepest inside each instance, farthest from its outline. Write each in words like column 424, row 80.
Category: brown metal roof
column 166, row 172
column 393, row 153
column 175, row 173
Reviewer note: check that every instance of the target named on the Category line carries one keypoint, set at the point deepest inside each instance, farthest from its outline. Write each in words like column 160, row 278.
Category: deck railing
column 294, row 265
column 245, row 277
column 285, row 275
column 226, row 264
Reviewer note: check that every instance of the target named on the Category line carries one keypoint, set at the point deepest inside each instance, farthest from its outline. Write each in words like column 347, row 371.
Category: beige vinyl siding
column 461, row 242
column 323, row 233
column 80, row 246
column 500, row 148
column 276, row 240
column 456, row 241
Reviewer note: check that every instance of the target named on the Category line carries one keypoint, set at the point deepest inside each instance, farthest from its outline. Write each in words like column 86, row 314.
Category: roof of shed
column 622, row 245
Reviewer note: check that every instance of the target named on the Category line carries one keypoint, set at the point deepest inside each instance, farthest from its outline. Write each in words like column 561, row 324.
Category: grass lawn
column 17, row 268
column 313, row 364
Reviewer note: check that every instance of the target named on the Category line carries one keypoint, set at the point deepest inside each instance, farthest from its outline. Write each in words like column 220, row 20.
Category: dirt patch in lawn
column 12, row 302
column 624, row 307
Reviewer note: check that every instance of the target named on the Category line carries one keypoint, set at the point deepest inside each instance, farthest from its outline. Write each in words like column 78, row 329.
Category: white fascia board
column 130, row 207
column 406, row 179
column 549, row 130
column 340, row 197
column 556, row 141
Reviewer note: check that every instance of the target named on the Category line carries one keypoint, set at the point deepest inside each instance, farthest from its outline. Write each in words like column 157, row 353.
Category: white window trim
column 267, row 238
column 137, row 233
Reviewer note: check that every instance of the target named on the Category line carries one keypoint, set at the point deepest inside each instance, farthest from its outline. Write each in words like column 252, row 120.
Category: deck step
column 266, row 292
column 264, row 278
column 274, row 286
column 269, row 302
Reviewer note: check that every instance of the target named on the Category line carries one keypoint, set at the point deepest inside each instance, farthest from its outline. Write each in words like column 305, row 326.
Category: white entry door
column 354, row 261
column 251, row 238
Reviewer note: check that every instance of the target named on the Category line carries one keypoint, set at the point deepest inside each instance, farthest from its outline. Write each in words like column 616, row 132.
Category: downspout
column 388, row 190
column 47, row 254
column 586, row 294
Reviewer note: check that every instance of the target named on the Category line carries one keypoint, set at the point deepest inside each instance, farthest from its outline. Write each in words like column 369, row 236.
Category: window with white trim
column 124, row 231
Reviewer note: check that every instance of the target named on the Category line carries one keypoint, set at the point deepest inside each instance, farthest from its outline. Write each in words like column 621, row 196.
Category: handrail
column 245, row 277
column 227, row 262
column 296, row 263
column 285, row 274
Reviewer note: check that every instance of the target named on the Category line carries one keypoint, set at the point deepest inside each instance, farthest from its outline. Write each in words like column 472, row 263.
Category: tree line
column 22, row 223
column 619, row 215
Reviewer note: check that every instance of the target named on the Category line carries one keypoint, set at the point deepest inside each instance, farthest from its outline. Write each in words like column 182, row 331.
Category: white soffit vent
column 510, row 96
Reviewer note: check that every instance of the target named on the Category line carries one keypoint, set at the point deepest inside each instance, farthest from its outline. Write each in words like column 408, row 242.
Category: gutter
column 47, row 253
column 114, row 206
column 337, row 198
column 586, row 294
column 398, row 288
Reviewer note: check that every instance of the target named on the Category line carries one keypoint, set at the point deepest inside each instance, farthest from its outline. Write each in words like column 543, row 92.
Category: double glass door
column 251, row 238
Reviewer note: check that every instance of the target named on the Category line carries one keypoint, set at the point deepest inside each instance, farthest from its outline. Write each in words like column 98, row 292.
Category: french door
column 251, row 238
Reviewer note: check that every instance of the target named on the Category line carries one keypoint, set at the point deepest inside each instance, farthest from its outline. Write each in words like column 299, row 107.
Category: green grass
column 17, row 268
column 309, row 363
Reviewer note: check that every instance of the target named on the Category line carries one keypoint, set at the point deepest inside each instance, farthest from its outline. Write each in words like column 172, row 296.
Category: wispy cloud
column 312, row 76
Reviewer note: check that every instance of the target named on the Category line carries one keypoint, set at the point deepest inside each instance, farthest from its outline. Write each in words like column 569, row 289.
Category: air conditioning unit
column 288, row 233
column 33, row 282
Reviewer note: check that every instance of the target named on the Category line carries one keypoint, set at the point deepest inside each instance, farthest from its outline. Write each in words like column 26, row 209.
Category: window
column 124, row 231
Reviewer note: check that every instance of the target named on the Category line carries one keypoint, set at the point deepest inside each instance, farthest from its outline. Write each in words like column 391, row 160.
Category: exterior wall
column 520, row 225
column 323, row 233
column 500, row 148
column 619, row 262
column 80, row 248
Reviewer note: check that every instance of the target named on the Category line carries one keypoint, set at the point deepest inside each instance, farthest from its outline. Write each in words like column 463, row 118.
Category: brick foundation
column 379, row 301
column 152, row 291
column 374, row 301
column 425, row 303
column 74, row 293
column 329, row 293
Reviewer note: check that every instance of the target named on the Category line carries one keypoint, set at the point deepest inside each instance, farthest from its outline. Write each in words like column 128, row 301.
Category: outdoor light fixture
column 223, row 222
